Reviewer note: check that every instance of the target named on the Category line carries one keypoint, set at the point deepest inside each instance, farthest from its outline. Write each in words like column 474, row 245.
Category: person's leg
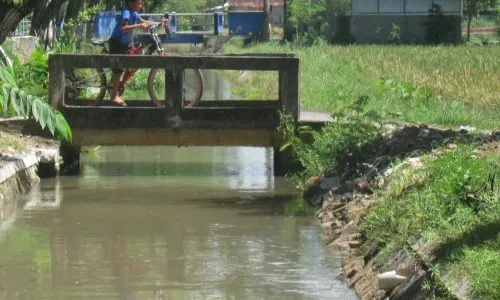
column 115, row 82
column 116, row 48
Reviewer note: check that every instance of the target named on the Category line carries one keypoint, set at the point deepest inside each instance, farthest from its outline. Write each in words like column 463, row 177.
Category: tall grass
column 462, row 83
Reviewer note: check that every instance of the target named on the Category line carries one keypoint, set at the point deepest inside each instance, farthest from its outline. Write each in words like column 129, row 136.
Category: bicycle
column 92, row 84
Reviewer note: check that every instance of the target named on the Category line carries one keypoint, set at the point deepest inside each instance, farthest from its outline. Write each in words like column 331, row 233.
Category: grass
column 253, row 85
column 446, row 199
column 444, row 203
column 482, row 263
column 444, row 85
column 10, row 142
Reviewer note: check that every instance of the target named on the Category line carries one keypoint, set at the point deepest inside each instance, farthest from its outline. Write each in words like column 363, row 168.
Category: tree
column 473, row 8
column 45, row 16
column 11, row 13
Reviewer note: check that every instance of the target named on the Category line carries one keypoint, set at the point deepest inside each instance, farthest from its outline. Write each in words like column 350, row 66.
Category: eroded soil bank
column 411, row 272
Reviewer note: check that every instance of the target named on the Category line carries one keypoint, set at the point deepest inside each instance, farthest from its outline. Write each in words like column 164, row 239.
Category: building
column 406, row 21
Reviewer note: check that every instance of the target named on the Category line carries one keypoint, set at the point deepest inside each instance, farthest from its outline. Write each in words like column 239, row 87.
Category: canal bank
column 23, row 160
column 403, row 221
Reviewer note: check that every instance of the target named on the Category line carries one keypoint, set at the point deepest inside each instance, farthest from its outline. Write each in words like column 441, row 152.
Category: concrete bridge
column 212, row 123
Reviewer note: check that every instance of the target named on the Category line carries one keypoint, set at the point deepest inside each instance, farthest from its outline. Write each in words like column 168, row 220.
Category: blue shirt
column 133, row 18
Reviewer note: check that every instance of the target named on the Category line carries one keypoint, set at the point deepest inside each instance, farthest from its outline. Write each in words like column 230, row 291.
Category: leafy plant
column 395, row 34
column 405, row 91
column 33, row 76
column 17, row 101
column 70, row 41
column 338, row 146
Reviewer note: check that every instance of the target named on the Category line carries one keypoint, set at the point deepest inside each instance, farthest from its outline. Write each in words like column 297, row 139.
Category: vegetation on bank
column 445, row 85
column 453, row 200
column 449, row 199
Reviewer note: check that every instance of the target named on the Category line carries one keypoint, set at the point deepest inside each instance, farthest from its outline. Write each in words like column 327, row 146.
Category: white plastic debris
column 467, row 128
column 389, row 280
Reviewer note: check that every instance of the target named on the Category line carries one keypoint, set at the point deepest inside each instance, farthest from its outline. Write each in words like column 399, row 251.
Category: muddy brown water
column 166, row 223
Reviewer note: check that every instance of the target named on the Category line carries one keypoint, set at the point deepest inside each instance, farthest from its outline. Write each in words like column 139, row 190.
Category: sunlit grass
column 9, row 141
column 482, row 263
column 464, row 81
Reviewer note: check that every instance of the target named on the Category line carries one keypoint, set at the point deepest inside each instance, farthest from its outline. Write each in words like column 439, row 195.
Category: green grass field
column 444, row 85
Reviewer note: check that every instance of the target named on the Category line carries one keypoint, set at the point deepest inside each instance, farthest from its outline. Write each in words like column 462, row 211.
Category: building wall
column 375, row 29
column 372, row 20
column 360, row 7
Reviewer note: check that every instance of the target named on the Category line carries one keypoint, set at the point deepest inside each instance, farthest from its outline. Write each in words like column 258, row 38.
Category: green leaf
column 6, row 92
column 63, row 130
column 30, row 99
column 22, row 97
column 14, row 101
column 285, row 146
column 51, row 121
column 7, row 76
column 44, row 114
column 35, row 109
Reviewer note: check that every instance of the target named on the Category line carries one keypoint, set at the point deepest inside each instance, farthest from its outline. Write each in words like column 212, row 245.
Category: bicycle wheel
column 86, row 84
column 193, row 86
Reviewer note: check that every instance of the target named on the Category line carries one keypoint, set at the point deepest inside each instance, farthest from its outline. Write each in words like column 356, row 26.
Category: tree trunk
column 266, row 34
column 45, row 12
column 11, row 15
column 73, row 8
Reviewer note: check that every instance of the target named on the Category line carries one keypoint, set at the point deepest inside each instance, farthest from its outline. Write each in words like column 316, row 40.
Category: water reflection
column 197, row 231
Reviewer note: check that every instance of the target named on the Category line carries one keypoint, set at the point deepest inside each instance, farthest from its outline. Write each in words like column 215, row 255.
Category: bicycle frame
column 140, row 50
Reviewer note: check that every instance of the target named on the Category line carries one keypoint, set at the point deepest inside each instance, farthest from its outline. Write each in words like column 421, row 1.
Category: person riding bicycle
column 121, row 41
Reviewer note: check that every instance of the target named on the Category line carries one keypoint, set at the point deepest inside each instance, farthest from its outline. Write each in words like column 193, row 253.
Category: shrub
column 338, row 146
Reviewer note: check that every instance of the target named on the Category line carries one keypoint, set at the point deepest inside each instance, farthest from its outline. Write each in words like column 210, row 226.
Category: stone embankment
column 345, row 200
column 21, row 169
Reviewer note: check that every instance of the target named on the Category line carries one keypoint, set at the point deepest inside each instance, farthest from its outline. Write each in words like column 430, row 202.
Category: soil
column 13, row 129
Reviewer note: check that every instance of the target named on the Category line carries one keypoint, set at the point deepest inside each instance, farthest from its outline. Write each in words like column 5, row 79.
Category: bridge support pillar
column 284, row 162
column 71, row 159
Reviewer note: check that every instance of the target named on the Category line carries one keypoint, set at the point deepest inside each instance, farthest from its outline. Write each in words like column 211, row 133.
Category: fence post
column 56, row 82
column 174, row 91
column 289, row 90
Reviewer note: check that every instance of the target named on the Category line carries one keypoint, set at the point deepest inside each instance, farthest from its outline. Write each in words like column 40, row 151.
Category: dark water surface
column 166, row 223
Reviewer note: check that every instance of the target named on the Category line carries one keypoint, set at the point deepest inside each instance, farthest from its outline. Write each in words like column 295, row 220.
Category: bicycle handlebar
column 154, row 25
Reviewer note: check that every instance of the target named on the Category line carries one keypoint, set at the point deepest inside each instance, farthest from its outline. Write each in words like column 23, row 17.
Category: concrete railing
column 233, row 115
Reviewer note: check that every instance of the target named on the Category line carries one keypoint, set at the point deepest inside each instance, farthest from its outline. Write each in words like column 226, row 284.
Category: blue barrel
column 245, row 22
